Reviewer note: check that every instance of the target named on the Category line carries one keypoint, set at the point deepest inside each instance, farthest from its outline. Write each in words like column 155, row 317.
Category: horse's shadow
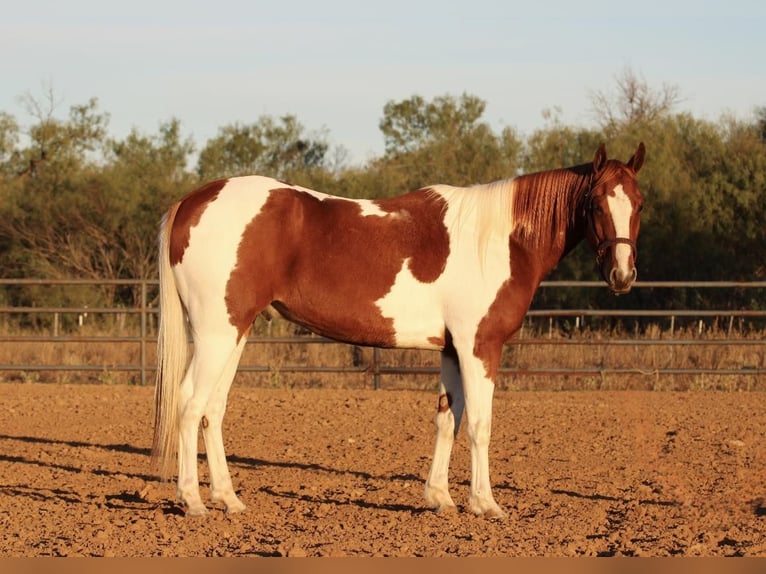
column 129, row 500
column 119, row 448
column 337, row 501
column 607, row 498
column 251, row 462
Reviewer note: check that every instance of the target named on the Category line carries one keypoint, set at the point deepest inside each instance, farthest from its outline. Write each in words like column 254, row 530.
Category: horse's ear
column 599, row 160
column 637, row 160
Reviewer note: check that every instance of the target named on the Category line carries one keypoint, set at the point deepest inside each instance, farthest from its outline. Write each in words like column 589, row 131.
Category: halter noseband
column 607, row 243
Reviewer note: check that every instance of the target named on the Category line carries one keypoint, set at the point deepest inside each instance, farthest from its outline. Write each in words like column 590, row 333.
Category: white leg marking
column 479, row 391
column 187, row 488
column 447, row 425
column 211, row 357
column 221, row 487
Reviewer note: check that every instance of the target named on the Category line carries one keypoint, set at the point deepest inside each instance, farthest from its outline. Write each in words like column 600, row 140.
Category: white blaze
column 621, row 209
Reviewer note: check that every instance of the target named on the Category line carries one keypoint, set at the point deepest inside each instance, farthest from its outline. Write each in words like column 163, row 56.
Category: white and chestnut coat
column 444, row 268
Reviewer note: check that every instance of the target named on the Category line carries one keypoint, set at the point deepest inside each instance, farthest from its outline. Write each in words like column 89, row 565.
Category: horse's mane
column 485, row 208
column 538, row 208
column 546, row 203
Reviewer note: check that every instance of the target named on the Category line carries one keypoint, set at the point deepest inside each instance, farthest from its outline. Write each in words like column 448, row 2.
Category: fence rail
column 376, row 367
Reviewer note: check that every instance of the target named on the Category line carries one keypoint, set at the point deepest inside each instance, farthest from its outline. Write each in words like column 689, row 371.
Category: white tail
column 172, row 355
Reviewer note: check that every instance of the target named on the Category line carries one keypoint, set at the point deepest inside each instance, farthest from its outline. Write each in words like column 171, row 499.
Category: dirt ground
column 341, row 473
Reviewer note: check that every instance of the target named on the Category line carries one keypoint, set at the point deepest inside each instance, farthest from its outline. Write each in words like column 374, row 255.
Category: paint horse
column 445, row 268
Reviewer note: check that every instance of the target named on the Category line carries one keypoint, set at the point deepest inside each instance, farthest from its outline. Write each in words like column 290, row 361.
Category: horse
column 452, row 269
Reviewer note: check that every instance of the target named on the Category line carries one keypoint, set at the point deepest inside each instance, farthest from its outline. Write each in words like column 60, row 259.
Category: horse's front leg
column 448, row 415
column 479, row 387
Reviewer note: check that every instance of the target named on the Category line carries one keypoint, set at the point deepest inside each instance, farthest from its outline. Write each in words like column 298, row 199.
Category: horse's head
column 613, row 211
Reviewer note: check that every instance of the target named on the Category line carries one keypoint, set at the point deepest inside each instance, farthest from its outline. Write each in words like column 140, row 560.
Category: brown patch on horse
column 506, row 313
column 323, row 265
column 445, row 402
column 188, row 214
column 437, row 341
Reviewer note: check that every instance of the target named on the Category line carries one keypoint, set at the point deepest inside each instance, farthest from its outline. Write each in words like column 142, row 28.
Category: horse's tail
column 172, row 354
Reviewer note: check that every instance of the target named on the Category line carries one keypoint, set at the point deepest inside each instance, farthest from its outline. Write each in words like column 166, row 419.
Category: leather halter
column 607, row 243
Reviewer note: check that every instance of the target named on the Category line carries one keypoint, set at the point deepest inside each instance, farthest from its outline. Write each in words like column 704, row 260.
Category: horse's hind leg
column 221, row 488
column 208, row 369
column 449, row 413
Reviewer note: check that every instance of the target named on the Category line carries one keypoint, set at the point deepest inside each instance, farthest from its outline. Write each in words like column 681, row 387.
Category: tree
column 443, row 141
column 59, row 148
column 558, row 145
column 143, row 177
column 9, row 138
column 736, row 201
column 42, row 180
column 413, row 123
column 74, row 216
column 268, row 147
column 760, row 122
column 634, row 102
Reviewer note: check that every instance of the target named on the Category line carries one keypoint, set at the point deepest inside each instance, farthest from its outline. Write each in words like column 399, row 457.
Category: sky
column 335, row 63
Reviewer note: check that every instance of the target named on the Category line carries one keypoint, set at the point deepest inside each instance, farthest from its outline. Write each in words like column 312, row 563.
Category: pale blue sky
column 335, row 63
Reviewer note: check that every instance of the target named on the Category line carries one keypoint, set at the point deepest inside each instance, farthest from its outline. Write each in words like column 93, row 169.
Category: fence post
column 143, row 332
column 376, row 368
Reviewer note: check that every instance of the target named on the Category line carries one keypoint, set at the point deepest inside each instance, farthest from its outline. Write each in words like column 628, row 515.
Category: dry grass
column 596, row 353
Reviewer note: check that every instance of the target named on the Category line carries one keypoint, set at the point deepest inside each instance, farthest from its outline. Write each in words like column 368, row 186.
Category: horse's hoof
column 487, row 509
column 495, row 514
column 236, row 508
column 446, row 509
column 196, row 511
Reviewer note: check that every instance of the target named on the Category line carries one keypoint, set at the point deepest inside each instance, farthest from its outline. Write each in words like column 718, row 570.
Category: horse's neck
column 551, row 214
column 574, row 237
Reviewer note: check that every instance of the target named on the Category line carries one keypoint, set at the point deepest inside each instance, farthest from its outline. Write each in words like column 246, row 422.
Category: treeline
column 78, row 203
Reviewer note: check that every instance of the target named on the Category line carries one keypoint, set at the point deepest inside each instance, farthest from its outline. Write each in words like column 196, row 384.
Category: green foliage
column 414, row 123
column 442, row 141
column 268, row 147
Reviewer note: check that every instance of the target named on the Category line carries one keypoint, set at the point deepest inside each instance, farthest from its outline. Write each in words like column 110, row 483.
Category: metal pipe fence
column 143, row 334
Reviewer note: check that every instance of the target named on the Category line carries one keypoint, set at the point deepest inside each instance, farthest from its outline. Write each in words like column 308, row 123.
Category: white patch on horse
column 414, row 308
column 213, row 245
column 370, row 209
column 367, row 207
column 621, row 209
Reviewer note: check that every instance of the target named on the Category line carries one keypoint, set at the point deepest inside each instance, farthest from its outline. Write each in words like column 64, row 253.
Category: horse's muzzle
column 621, row 283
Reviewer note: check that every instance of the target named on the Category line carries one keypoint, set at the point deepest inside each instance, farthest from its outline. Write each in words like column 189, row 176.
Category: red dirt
column 341, row 473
